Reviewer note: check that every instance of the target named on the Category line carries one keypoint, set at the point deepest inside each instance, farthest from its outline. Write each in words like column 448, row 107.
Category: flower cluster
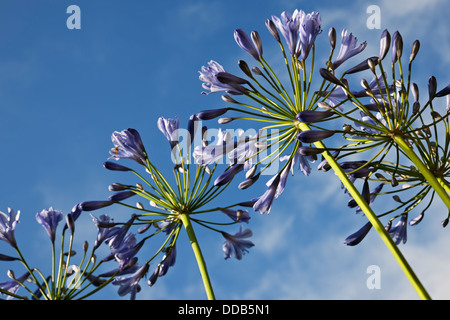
column 169, row 208
column 68, row 279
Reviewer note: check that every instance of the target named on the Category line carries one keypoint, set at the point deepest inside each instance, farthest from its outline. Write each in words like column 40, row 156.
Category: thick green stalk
column 387, row 239
column 423, row 169
column 198, row 255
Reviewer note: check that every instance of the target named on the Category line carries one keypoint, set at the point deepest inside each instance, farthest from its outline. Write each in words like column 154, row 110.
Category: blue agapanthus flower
column 8, row 224
column 49, row 219
column 236, row 245
column 128, row 145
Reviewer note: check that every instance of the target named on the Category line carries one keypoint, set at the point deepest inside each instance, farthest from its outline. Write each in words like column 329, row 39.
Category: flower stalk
column 372, row 217
column 198, row 255
column 437, row 185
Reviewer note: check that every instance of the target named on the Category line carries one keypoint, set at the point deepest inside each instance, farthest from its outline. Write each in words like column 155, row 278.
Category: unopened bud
column 229, row 99
column 414, row 50
column 245, row 68
column 332, row 37
column 323, row 105
column 70, row 223
column 225, row 120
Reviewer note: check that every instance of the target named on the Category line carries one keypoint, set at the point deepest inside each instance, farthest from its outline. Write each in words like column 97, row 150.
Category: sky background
column 63, row 92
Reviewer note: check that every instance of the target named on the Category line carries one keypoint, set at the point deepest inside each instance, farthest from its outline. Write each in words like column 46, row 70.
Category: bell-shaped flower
column 8, row 224
column 129, row 284
column 211, row 81
column 49, row 219
column 264, row 202
column 206, row 155
column 289, row 26
column 168, row 261
column 237, row 215
column 128, row 145
column 236, row 245
column 169, row 127
column 13, row 285
column 105, row 226
column 349, row 48
column 398, row 232
column 310, row 27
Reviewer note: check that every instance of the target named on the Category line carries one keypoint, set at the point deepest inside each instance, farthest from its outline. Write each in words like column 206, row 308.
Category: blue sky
column 63, row 92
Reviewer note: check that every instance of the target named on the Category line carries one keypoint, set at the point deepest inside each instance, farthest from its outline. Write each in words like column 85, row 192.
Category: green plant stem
column 198, row 255
column 426, row 173
column 387, row 239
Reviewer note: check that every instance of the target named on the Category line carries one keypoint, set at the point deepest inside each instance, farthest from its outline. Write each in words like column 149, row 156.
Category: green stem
column 387, row 239
column 427, row 174
column 198, row 255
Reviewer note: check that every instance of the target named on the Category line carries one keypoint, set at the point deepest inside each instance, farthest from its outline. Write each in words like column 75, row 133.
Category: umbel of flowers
column 169, row 207
column 382, row 115
column 405, row 144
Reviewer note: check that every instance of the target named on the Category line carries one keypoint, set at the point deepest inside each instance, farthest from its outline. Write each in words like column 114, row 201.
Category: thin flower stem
column 198, row 255
column 387, row 239
column 427, row 174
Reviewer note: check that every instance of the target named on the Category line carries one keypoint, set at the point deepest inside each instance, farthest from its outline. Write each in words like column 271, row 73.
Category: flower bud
column 362, row 66
column 245, row 68
column 309, row 151
column 70, row 223
column 257, row 71
column 312, row 136
column 115, row 166
column 414, row 50
column 397, row 46
column 384, row 44
column 444, row 91
column 415, row 91
column 121, row 196
column 332, row 37
column 309, row 116
column 225, row 120
column 257, row 42
column 211, row 114
column 272, row 29
column 432, row 85
column 327, row 75
column 228, row 99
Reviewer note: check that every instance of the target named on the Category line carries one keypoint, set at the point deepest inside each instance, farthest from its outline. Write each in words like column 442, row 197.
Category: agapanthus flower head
column 8, row 223
column 49, row 219
column 236, row 245
column 128, row 145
